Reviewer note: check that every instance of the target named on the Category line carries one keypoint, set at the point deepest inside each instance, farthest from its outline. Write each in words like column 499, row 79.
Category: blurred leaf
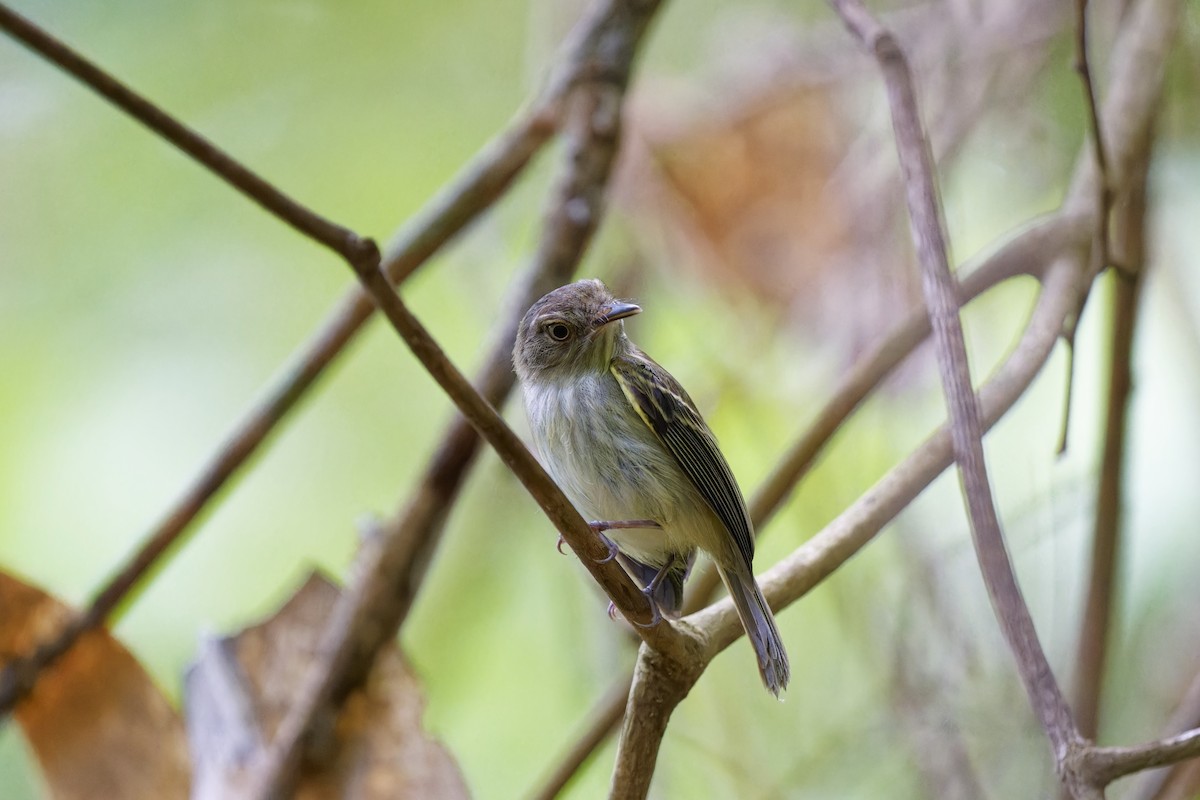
column 96, row 722
column 241, row 688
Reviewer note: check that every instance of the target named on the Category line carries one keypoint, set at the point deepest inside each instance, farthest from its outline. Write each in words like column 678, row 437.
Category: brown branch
column 472, row 191
column 1151, row 785
column 1104, row 188
column 659, row 685
column 916, row 163
column 1104, row 198
column 367, row 619
column 1106, row 764
column 343, row 241
column 1095, row 627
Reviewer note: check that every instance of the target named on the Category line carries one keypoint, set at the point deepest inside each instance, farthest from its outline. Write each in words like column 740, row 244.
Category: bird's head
column 570, row 331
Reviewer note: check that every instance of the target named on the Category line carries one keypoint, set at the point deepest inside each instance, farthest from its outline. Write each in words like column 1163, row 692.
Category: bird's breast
column 601, row 453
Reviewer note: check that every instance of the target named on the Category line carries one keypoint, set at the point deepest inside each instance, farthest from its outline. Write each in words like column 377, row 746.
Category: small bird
column 627, row 446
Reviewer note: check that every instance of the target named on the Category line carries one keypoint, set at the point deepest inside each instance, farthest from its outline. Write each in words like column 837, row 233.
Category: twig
column 1095, row 627
column 1106, row 764
column 472, row 191
column 368, row 618
column 1104, row 198
column 916, row 163
column 659, row 684
column 1150, row 784
column 1104, row 187
column 343, row 241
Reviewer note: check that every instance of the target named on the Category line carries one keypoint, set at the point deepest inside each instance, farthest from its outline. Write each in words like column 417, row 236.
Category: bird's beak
column 616, row 311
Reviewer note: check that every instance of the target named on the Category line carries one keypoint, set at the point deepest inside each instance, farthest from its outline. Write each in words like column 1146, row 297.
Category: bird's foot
column 656, row 615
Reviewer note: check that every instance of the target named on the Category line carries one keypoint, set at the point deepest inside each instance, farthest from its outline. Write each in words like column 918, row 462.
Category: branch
column 1096, row 624
column 483, row 180
column 1104, row 198
column 1185, row 716
column 343, row 241
column 916, row 163
column 1106, row 764
column 659, row 684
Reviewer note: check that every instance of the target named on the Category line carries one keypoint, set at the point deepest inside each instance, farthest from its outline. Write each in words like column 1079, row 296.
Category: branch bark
column 1095, row 628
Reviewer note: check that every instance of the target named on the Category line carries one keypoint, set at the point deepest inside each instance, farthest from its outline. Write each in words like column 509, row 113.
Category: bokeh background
column 144, row 306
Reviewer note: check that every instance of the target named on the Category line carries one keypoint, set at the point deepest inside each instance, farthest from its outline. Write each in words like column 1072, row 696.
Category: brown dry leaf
column 96, row 722
column 241, row 688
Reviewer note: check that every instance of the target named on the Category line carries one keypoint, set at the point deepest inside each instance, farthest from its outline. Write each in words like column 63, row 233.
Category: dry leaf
column 241, row 688
column 97, row 723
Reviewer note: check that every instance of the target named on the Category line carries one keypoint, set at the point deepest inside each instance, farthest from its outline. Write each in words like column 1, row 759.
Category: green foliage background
column 143, row 306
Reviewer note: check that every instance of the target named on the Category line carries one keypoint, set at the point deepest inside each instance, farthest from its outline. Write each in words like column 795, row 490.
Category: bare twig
column 1106, row 764
column 1104, row 198
column 916, row 163
column 1151, row 784
column 1104, row 187
column 342, row 241
column 1095, row 627
column 659, row 684
column 471, row 192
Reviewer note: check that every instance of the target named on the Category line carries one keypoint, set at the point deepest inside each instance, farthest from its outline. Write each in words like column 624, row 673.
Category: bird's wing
column 666, row 408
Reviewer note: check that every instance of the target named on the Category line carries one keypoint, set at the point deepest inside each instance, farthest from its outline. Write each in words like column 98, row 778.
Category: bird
column 626, row 444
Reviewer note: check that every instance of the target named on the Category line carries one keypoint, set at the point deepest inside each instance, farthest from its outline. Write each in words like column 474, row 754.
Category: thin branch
column 1095, row 627
column 1104, row 187
column 916, row 163
column 343, row 241
column 1107, row 764
column 659, row 685
column 1186, row 716
column 1104, row 198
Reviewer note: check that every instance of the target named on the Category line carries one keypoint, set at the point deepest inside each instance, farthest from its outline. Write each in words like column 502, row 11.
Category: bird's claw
column 561, row 542
column 655, row 614
column 612, row 550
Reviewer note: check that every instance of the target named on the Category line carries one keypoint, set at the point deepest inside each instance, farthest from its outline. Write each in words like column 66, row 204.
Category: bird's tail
column 760, row 628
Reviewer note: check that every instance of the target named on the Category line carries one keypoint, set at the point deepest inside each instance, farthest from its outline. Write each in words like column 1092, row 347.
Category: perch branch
column 368, row 618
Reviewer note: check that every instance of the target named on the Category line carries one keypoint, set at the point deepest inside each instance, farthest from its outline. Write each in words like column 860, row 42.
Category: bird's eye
column 558, row 331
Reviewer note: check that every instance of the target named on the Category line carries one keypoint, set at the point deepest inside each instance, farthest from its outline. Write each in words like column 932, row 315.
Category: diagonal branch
column 1096, row 623
column 480, row 183
column 341, row 240
column 393, row 566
